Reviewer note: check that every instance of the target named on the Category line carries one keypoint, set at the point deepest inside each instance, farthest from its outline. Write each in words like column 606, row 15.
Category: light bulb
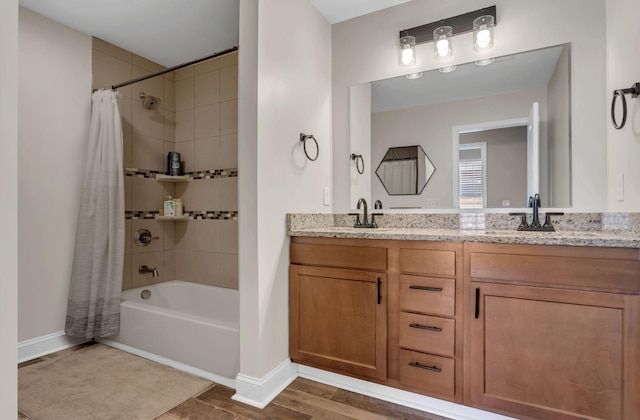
column 407, row 56
column 443, row 47
column 483, row 38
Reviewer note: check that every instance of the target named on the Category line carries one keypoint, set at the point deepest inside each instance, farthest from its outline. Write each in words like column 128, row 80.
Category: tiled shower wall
column 197, row 117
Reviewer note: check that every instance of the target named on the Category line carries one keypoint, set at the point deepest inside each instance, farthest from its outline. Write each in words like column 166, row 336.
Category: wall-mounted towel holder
column 303, row 139
column 359, row 162
column 634, row 91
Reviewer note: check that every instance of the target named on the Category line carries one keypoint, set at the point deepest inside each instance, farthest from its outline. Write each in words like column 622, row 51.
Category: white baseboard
column 47, row 344
column 210, row 376
column 258, row 392
column 397, row 396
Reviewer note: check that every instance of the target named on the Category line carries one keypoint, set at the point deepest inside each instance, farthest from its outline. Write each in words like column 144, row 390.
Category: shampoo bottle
column 169, row 207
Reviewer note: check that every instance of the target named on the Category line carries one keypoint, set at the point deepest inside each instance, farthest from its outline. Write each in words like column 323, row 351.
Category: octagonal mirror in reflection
column 405, row 170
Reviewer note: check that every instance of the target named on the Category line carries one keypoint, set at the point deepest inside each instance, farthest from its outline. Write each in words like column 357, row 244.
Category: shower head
column 148, row 101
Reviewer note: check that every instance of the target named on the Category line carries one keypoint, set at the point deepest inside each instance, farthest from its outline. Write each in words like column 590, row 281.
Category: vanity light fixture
column 414, row 76
column 442, row 48
column 407, row 50
column 484, row 61
column 447, row 69
column 481, row 22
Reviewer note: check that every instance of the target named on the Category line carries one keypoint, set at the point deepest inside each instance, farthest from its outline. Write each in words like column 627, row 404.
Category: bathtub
column 189, row 326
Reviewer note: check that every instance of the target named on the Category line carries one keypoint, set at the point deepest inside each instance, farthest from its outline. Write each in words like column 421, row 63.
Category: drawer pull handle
column 426, row 289
column 379, row 290
column 421, row 366
column 477, row 309
column 425, row 327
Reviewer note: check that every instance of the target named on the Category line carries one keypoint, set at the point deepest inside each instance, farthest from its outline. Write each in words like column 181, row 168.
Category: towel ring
column 359, row 161
column 634, row 91
column 303, row 139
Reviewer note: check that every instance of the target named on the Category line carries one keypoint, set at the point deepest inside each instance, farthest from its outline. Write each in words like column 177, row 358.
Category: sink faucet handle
column 373, row 218
column 547, row 219
column 523, row 220
column 358, row 223
column 378, row 205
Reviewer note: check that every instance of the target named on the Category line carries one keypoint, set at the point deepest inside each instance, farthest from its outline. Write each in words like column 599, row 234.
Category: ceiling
column 171, row 32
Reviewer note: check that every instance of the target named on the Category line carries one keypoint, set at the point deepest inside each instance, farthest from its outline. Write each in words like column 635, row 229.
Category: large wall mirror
column 497, row 133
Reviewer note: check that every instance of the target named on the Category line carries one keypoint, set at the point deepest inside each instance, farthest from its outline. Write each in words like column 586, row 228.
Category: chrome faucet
column 534, row 202
column 143, row 269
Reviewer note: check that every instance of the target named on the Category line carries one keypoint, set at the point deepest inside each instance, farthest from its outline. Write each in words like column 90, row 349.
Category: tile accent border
column 194, row 215
column 195, row 175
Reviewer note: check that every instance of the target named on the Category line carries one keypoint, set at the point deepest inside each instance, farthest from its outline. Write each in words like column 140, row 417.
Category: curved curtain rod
column 174, row 68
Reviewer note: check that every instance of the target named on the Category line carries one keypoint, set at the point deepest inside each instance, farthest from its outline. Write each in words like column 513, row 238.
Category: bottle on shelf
column 169, row 207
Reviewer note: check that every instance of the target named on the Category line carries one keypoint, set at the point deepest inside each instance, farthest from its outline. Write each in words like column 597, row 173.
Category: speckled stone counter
column 622, row 230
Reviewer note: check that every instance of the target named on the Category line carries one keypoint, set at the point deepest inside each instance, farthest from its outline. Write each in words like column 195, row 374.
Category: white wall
column 292, row 87
column 364, row 49
column 9, row 210
column 623, row 70
column 54, row 110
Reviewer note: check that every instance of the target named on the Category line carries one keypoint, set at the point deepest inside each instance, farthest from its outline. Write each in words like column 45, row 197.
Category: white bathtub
column 189, row 323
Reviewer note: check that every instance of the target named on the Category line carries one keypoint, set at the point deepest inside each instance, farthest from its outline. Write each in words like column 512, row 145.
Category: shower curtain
column 93, row 309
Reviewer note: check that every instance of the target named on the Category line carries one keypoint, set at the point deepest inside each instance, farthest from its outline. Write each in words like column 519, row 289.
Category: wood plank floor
column 302, row 400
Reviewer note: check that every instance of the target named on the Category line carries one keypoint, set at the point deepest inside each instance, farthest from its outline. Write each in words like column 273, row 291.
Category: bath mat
column 98, row 382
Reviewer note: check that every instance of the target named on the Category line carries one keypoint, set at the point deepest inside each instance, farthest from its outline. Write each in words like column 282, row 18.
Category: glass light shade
column 442, row 48
column 483, row 33
column 407, row 51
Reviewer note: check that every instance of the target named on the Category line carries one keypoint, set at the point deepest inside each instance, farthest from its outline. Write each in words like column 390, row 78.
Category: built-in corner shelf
column 172, row 218
column 172, row 178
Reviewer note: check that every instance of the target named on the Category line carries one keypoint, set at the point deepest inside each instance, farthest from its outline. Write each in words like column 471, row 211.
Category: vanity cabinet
column 382, row 310
column 338, row 308
column 552, row 332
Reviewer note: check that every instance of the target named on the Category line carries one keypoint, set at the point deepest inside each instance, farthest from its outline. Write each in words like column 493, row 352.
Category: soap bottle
column 178, row 207
column 169, row 207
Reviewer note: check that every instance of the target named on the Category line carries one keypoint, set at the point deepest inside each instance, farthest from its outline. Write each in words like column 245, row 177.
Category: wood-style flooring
column 302, row 400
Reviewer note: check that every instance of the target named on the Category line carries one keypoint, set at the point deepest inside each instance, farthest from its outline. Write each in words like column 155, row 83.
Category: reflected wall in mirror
column 405, row 170
column 427, row 111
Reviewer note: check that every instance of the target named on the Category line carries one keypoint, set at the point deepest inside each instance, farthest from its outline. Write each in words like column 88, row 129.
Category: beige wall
column 197, row 117
column 506, row 164
column 285, row 72
column 559, row 132
column 9, row 212
column 365, row 49
column 623, row 70
column 54, row 108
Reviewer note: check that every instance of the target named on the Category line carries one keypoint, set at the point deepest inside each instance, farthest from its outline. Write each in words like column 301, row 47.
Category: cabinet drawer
column 428, row 262
column 427, row 295
column 343, row 256
column 431, row 374
column 426, row 333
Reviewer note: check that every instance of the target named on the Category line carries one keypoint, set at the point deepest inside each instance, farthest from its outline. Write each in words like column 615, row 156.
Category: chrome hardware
column 143, row 269
column 145, row 294
column 143, row 237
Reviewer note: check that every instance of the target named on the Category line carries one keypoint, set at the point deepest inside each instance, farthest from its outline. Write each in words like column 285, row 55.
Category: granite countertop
column 584, row 230
column 604, row 239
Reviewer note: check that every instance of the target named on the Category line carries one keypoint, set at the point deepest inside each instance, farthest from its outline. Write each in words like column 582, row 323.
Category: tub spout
column 143, row 269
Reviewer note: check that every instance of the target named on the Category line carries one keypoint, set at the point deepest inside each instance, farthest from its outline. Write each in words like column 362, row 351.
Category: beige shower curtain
column 93, row 309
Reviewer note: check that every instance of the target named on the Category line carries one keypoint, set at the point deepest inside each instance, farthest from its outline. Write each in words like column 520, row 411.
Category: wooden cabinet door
column 338, row 320
column 552, row 354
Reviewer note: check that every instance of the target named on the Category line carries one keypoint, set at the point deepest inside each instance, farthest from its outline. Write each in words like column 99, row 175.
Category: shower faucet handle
column 143, row 237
